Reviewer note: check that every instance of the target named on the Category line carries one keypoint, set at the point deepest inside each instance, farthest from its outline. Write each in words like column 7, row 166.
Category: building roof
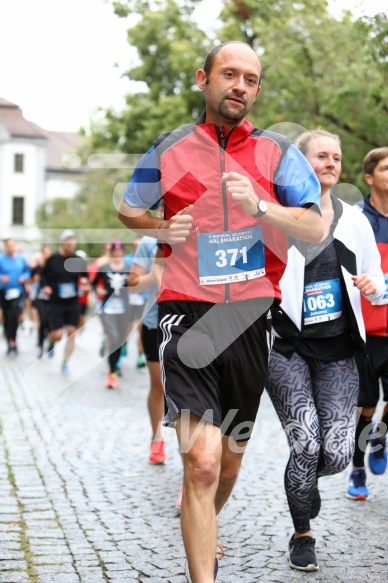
column 11, row 117
column 58, row 143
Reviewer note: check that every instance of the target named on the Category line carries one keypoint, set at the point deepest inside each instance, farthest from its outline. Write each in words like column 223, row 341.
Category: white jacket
column 357, row 253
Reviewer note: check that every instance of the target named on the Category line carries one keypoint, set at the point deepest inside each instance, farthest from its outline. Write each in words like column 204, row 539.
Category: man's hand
column 47, row 290
column 240, row 189
column 177, row 229
column 364, row 284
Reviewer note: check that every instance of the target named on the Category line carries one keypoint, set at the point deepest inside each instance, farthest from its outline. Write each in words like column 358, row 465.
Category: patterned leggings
column 316, row 402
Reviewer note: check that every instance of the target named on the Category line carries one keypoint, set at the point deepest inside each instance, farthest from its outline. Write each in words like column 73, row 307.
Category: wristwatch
column 262, row 208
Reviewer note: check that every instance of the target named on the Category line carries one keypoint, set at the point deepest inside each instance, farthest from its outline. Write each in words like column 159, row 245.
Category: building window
column 18, row 210
column 19, row 163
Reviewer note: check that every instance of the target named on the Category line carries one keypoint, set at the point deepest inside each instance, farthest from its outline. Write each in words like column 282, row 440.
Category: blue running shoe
column 65, row 369
column 378, row 457
column 357, row 489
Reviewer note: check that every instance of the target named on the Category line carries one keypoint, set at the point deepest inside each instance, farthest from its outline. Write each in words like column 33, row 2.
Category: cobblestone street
column 80, row 503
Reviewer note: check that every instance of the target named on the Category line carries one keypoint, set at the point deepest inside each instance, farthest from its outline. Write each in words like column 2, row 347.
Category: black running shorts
column 61, row 315
column 214, row 361
column 149, row 339
column 372, row 370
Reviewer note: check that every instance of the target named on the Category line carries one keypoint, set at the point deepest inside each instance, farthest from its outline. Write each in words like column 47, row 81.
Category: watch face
column 262, row 206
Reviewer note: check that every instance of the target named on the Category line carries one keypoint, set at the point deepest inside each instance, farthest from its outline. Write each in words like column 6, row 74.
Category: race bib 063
column 322, row 301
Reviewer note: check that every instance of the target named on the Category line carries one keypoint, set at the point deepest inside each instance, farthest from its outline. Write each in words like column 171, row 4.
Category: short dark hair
column 373, row 158
column 210, row 57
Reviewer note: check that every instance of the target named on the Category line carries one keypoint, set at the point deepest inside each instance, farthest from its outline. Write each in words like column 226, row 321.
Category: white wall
column 32, row 184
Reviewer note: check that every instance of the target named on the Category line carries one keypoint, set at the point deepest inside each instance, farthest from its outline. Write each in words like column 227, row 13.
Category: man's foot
column 39, row 354
column 141, row 361
column 357, row 489
column 301, row 553
column 111, row 381
column 65, row 369
column 157, row 455
column 188, row 576
column 316, row 503
column 378, row 458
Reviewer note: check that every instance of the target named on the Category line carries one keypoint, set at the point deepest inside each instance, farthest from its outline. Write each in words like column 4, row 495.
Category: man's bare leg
column 232, row 454
column 202, row 464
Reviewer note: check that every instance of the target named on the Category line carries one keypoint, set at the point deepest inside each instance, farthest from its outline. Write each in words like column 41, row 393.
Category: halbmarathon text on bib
column 322, row 301
column 231, row 256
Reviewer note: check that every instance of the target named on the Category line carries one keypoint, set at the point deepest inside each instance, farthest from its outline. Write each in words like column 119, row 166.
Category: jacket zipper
column 223, row 141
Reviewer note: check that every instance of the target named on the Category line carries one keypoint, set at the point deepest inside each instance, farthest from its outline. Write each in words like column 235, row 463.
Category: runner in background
column 92, row 271
column 141, row 275
column 312, row 378
column 83, row 295
column 14, row 271
column 63, row 274
column 137, row 302
column 41, row 301
column 111, row 284
column 373, row 371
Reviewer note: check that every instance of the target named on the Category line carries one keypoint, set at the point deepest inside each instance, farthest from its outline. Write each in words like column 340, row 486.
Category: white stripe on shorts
column 165, row 325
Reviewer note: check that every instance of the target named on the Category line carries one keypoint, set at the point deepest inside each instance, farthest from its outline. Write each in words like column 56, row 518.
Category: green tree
column 318, row 71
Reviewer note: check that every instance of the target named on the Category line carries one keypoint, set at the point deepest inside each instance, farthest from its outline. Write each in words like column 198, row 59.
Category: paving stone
column 10, row 577
column 6, row 565
column 101, row 501
column 11, row 555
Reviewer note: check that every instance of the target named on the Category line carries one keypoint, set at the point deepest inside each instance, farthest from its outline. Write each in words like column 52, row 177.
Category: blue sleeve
column 145, row 253
column 296, row 183
column 143, row 189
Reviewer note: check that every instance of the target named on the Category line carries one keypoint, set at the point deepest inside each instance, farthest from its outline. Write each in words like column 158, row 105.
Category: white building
column 35, row 166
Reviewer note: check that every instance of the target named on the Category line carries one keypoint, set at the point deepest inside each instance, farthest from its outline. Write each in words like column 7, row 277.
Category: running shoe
column 357, row 489
column 111, row 380
column 378, row 458
column 141, row 361
column 301, row 553
column 187, row 571
column 315, row 504
column 12, row 350
column 65, row 369
column 157, row 455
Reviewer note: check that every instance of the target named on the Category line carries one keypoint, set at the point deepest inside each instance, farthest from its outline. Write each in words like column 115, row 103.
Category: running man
column 62, row 285
column 14, row 271
column 231, row 193
column 374, row 370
